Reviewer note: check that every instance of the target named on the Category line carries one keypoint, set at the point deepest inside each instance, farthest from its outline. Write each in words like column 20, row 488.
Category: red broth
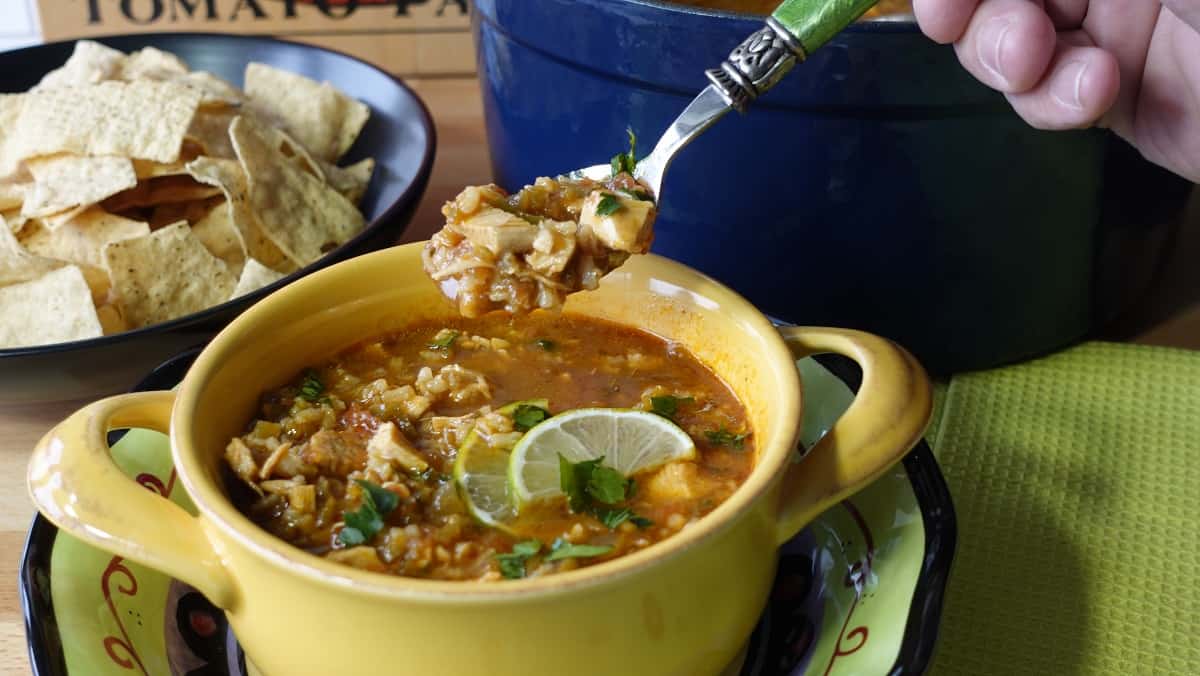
column 300, row 463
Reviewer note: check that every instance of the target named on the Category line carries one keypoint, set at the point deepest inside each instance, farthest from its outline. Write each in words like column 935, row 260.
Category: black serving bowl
column 400, row 136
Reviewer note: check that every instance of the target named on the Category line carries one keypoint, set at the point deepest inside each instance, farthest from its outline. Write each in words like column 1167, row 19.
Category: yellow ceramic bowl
column 682, row 607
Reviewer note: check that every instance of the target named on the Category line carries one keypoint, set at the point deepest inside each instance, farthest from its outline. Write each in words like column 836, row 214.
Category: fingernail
column 1068, row 83
column 990, row 45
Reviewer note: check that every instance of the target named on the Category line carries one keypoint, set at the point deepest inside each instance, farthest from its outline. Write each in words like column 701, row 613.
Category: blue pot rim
column 869, row 66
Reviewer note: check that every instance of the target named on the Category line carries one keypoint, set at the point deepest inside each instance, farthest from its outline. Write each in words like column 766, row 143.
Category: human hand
column 1130, row 65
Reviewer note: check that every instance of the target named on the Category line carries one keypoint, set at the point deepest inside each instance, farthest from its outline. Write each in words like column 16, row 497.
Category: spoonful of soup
column 529, row 250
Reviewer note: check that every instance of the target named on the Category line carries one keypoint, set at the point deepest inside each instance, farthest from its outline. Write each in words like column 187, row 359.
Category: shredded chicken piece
column 389, row 450
column 529, row 250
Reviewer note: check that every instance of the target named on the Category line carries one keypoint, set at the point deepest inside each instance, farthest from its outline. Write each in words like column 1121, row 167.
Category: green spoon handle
column 814, row 22
column 795, row 30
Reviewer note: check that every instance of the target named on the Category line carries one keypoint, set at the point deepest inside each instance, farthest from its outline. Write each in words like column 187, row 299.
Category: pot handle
column 76, row 485
column 886, row 419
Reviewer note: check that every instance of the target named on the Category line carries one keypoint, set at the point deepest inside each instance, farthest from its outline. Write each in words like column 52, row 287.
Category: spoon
column 793, row 31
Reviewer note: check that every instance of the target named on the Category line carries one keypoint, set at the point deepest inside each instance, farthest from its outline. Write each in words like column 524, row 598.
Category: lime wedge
column 630, row 441
column 481, row 474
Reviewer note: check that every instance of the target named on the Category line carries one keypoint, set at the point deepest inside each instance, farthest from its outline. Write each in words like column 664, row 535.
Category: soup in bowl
column 664, row 565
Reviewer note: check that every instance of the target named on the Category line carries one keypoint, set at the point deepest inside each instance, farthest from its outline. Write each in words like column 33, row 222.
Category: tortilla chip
column 18, row 265
column 82, row 239
column 350, row 181
column 99, row 283
column 90, row 63
column 65, row 181
column 160, row 190
column 294, row 151
column 210, row 130
column 10, row 110
column 144, row 120
column 193, row 212
column 299, row 213
column 166, row 274
column 228, row 175
column 54, row 308
column 12, row 195
column 221, row 237
column 111, row 320
column 150, row 63
column 325, row 120
column 16, row 222
column 255, row 276
column 214, row 89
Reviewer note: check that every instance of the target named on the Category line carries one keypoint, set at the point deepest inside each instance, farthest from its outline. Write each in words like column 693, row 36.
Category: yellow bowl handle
column 77, row 486
column 886, row 419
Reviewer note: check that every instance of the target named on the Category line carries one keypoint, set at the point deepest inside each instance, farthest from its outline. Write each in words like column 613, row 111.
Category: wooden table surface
column 462, row 160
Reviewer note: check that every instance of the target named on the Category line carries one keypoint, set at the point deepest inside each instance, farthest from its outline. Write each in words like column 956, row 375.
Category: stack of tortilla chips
column 134, row 190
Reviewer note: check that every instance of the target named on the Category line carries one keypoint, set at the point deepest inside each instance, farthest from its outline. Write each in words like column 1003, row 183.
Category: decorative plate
column 857, row 592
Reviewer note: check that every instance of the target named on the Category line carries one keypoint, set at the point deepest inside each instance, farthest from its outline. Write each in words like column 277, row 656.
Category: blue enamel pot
column 878, row 186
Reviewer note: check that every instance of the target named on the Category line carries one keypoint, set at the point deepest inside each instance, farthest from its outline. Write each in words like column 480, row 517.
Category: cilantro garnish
column 526, row 416
column 615, row 517
column 365, row 522
column 561, row 549
column 626, row 162
column 593, row 488
column 444, row 339
column 609, row 204
column 546, row 344
column 512, row 565
column 667, row 406
column 724, row 437
column 607, row 485
column 638, row 195
column 311, row 388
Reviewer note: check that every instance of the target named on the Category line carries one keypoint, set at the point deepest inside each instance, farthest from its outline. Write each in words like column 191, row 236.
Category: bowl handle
column 77, row 486
column 886, row 419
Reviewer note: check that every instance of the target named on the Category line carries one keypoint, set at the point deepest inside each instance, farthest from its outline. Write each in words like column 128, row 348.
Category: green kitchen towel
column 1076, row 479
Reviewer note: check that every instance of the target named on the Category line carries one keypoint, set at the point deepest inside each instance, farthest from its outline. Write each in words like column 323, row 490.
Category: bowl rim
column 407, row 198
column 214, row 506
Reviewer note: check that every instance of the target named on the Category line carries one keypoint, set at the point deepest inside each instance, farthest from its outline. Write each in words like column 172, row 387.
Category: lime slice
column 630, row 441
column 481, row 474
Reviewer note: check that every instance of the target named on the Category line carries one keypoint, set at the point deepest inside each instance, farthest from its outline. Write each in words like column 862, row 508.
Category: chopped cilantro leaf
column 609, row 204
column 311, row 388
column 512, row 565
column 546, row 344
column 618, row 163
column 444, row 339
column 365, row 522
column 613, row 517
column 573, row 478
column 607, row 485
column 351, row 537
column 527, row 548
column 526, row 416
column 639, row 195
column 380, row 498
column 724, row 437
column 626, row 162
column 561, row 549
column 667, row 406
